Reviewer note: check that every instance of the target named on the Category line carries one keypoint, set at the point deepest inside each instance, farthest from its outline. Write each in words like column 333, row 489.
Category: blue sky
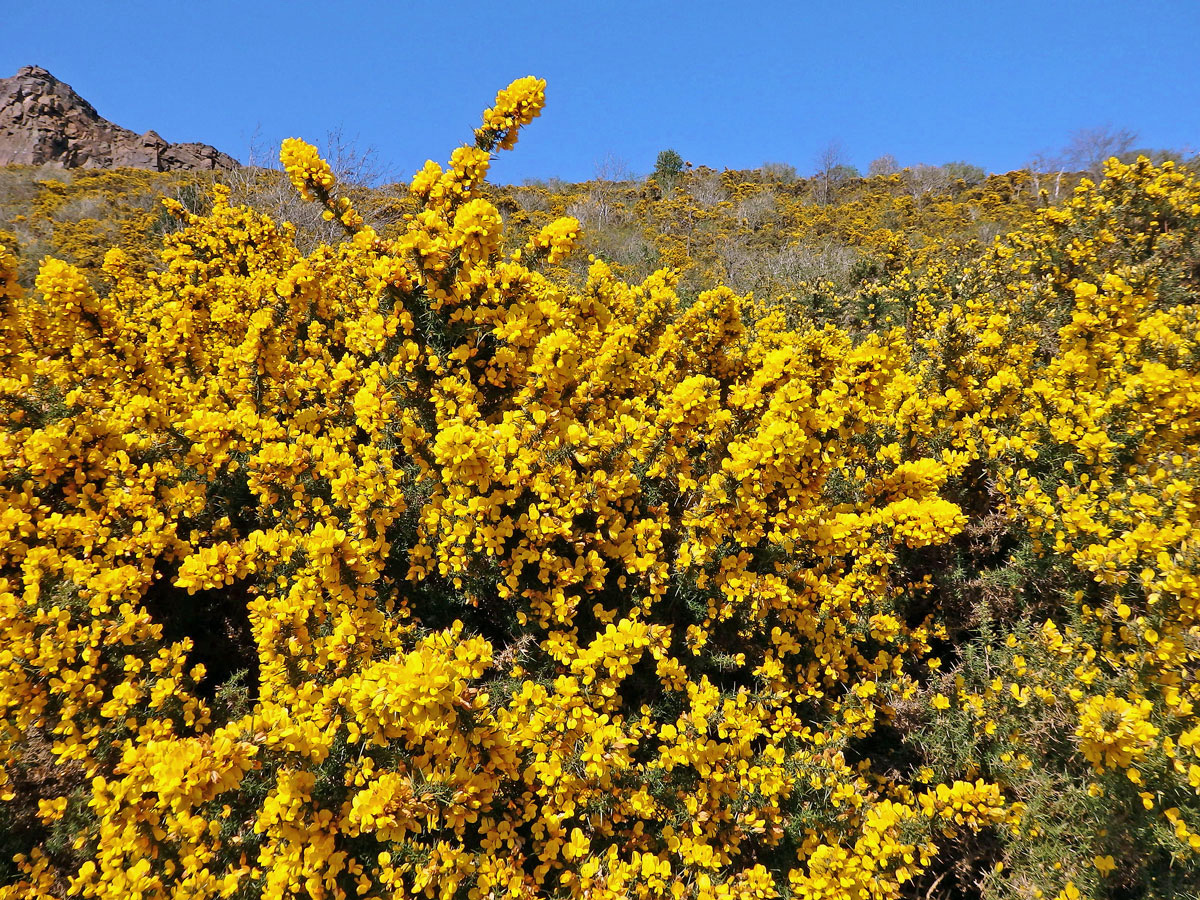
column 726, row 85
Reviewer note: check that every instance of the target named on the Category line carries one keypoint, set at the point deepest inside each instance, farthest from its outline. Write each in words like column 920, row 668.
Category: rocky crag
column 44, row 122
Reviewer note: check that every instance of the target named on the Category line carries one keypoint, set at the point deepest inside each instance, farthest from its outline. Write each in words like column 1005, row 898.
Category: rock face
column 44, row 122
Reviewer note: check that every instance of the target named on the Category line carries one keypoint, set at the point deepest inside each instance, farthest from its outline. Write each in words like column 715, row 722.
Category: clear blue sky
column 727, row 85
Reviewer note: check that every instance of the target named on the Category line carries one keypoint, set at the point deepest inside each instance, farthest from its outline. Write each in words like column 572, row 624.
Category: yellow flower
column 304, row 166
column 1113, row 732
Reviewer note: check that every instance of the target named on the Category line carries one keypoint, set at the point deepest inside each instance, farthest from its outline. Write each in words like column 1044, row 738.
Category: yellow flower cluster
column 555, row 240
column 1113, row 732
column 9, row 288
column 309, row 174
column 517, row 105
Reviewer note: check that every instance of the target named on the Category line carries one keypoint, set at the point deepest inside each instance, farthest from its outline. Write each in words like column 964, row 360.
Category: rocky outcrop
column 44, row 122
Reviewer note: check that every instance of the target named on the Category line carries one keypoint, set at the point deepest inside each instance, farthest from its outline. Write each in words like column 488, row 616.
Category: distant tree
column 1046, row 172
column 1086, row 151
column 925, row 179
column 832, row 168
column 965, row 172
column 883, row 165
column 353, row 162
column 668, row 168
column 611, row 170
column 778, row 172
column 1088, row 148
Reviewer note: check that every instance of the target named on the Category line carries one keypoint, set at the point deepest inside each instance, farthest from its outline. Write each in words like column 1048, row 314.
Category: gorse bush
column 408, row 566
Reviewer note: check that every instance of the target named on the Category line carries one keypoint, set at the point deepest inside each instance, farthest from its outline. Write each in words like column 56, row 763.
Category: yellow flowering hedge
column 407, row 567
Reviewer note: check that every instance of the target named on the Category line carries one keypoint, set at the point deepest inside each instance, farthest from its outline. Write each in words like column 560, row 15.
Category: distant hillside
column 44, row 122
column 754, row 230
column 767, row 231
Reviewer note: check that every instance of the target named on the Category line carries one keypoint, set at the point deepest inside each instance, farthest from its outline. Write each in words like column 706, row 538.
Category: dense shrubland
column 779, row 549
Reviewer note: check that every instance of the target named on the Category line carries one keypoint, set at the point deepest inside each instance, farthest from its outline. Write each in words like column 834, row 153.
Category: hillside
column 720, row 535
column 752, row 230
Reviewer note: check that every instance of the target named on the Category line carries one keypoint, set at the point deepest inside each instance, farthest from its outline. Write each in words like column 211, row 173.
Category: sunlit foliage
column 412, row 566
